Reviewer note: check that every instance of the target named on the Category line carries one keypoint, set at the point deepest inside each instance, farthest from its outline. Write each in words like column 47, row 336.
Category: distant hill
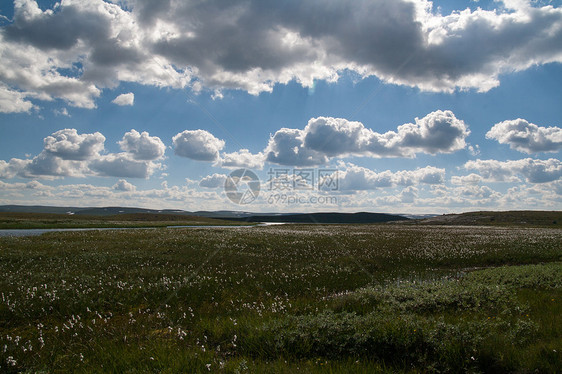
column 508, row 218
column 362, row 217
column 104, row 211
column 241, row 216
column 223, row 214
column 28, row 220
column 34, row 209
column 482, row 218
column 111, row 211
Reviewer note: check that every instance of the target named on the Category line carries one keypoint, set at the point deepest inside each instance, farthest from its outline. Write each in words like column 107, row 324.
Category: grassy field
column 134, row 220
column 523, row 218
column 284, row 299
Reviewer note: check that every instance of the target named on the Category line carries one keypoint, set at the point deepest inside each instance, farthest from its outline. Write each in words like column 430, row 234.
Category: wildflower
column 10, row 361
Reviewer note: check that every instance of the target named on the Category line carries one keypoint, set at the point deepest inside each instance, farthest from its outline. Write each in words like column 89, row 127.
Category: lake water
column 35, row 232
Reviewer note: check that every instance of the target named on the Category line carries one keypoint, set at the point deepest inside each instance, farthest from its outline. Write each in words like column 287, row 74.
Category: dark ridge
column 35, row 209
column 491, row 218
column 111, row 211
column 89, row 211
column 362, row 217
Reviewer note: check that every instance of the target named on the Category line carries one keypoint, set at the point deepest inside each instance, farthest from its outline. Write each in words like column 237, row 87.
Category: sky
column 397, row 106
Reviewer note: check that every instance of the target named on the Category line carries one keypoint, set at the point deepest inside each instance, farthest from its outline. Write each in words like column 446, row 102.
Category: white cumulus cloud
column 125, row 99
column 241, row 159
column 356, row 178
column 471, row 179
column 142, row 146
column 69, row 145
column 13, row 101
column 122, row 165
column 198, row 145
column 527, row 137
column 534, row 170
column 66, row 153
column 123, row 185
column 327, row 137
column 213, row 181
column 286, row 147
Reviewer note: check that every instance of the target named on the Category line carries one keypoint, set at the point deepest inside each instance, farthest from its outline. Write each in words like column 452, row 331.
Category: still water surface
column 35, row 232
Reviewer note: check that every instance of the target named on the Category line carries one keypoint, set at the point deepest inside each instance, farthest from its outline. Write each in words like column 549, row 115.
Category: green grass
column 285, row 299
column 522, row 218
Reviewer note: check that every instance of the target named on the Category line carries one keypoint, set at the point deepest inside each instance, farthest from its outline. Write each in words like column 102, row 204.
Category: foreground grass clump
column 446, row 325
column 367, row 298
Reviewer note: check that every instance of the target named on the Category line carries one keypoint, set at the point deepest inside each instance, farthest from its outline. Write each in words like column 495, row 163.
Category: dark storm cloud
column 254, row 44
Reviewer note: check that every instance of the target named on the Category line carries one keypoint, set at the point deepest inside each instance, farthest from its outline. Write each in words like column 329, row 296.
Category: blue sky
column 411, row 105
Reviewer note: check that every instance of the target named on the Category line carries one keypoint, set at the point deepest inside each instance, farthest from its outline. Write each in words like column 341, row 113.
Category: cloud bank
column 533, row 170
column 79, row 47
column 356, row 178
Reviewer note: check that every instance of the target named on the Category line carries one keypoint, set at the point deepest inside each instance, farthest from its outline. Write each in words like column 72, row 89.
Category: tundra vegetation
column 283, row 299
